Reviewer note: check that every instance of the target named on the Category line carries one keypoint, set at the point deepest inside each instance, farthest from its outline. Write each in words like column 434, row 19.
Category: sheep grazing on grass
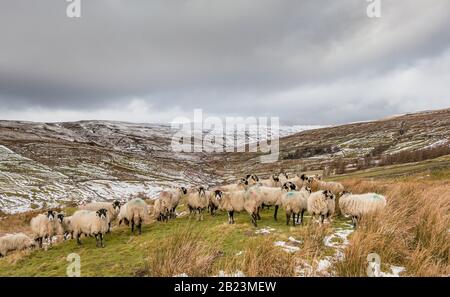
column 317, row 184
column 273, row 181
column 237, row 201
column 239, row 186
column 92, row 223
column 133, row 212
column 15, row 242
column 357, row 206
column 113, row 209
column 43, row 227
column 295, row 203
column 197, row 202
column 321, row 203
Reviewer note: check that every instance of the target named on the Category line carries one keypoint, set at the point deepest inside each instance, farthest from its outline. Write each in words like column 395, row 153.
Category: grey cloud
column 228, row 57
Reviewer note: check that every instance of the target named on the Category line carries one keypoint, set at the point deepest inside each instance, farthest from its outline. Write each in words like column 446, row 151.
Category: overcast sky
column 308, row 62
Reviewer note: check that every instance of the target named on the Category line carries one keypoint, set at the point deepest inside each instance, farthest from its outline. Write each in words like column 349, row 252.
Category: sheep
column 295, row 203
column 299, row 181
column 268, row 196
column 171, row 199
column 63, row 225
column 161, row 210
column 112, row 208
column 134, row 212
column 283, row 177
column 197, row 202
column 213, row 203
column 240, row 185
column 273, row 181
column 90, row 223
column 317, row 184
column 43, row 227
column 358, row 205
column 15, row 242
column 318, row 204
column 236, row 202
column 252, row 179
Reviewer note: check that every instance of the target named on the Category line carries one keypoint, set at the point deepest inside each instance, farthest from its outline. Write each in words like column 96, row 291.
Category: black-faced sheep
column 321, row 203
column 295, row 203
column 92, row 223
column 43, row 227
column 237, row 201
column 197, row 202
column 113, row 209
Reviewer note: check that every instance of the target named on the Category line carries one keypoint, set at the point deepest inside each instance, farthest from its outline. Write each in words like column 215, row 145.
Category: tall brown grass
column 412, row 231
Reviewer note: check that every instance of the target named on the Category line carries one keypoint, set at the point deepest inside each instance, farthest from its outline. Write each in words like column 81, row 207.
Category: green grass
column 126, row 254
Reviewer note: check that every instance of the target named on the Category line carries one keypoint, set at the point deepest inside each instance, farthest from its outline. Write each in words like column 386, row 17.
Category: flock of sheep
column 296, row 195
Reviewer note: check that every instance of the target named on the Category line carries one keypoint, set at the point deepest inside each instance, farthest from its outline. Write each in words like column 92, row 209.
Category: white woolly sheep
column 299, row 181
column 273, row 181
column 213, row 203
column 134, row 212
column 43, row 227
column 197, row 202
column 113, row 209
column 357, row 206
column 316, row 185
column 64, row 226
column 171, row 199
column 239, row 186
column 319, row 204
column 295, row 203
column 236, row 202
column 92, row 223
column 15, row 242
column 268, row 196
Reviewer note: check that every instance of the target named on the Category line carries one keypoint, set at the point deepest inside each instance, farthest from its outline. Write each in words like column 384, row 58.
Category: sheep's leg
column 109, row 227
column 78, row 238
column 254, row 218
column 96, row 240
column 257, row 213
column 293, row 220
column 323, row 218
column 288, row 218
column 303, row 211
column 232, row 217
column 140, row 226
column 132, row 226
column 275, row 213
column 39, row 241
column 101, row 240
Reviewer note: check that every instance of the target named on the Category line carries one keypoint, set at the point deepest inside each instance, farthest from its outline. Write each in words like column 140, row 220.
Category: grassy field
column 412, row 234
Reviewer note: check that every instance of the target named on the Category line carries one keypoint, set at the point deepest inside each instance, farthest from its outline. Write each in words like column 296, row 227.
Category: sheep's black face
column 303, row 177
column 255, row 178
column 116, row 205
column 308, row 189
column 201, row 191
column 60, row 217
column 292, row 186
column 102, row 213
column 218, row 194
column 244, row 181
column 51, row 215
column 183, row 190
column 248, row 176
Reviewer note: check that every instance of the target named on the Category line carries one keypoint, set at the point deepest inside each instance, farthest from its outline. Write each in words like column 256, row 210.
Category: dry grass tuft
column 185, row 252
column 411, row 232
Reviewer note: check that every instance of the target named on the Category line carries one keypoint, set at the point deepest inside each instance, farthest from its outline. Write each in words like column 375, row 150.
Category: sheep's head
column 289, row 186
column 345, row 193
column 101, row 213
column 275, row 178
column 303, row 177
column 201, row 191
column 243, row 182
column 328, row 194
column 218, row 194
column 116, row 205
column 308, row 188
column 183, row 190
column 51, row 215
column 60, row 217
